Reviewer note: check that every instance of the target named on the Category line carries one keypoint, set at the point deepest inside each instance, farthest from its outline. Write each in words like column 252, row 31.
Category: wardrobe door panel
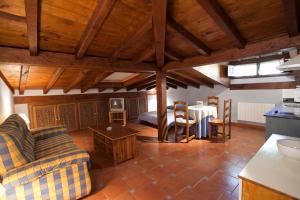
column 132, row 108
column 143, row 105
column 44, row 116
column 102, row 112
column 87, row 114
column 68, row 116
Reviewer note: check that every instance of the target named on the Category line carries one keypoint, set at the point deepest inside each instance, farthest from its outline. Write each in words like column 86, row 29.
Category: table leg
column 124, row 118
column 110, row 117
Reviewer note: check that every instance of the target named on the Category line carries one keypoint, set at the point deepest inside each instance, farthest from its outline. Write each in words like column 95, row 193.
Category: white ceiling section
column 119, row 76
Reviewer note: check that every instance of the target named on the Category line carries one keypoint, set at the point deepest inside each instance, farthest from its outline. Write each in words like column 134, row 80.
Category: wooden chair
column 182, row 119
column 226, row 121
column 213, row 101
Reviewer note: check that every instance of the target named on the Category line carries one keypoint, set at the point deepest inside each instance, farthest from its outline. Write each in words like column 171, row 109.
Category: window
column 269, row 68
column 242, row 70
column 255, row 69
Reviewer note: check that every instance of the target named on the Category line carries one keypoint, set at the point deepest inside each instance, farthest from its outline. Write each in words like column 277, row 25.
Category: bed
column 151, row 117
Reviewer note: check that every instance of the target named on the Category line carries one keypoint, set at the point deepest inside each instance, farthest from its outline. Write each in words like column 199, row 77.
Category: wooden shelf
column 111, row 116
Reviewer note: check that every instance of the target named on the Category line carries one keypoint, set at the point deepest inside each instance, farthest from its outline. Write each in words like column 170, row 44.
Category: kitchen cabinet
column 283, row 120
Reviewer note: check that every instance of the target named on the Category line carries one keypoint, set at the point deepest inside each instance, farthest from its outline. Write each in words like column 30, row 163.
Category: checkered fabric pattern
column 60, row 170
column 16, row 144
column 53, row 142
column 64, row 176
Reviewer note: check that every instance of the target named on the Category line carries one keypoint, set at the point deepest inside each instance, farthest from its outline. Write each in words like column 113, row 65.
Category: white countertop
column 271, row 169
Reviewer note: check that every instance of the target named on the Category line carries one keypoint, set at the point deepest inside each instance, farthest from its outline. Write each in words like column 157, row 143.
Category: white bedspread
column 151, row 117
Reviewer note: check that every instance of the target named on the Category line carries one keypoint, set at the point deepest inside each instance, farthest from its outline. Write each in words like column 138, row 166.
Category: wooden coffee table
column 117, row 144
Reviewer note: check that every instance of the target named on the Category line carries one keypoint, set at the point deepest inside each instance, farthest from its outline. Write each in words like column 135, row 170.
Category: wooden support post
column 161, row 92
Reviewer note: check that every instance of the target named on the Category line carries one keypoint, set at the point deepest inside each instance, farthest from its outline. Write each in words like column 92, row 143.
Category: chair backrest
column 213, row 101
column 181, row 110
column 227, row 114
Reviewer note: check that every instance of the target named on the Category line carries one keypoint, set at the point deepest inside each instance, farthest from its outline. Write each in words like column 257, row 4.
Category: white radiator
column 253, row 112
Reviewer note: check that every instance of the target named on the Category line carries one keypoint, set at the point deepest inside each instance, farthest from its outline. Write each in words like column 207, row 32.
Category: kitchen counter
column 282, row 111
column 272, row 170
column 283, row 120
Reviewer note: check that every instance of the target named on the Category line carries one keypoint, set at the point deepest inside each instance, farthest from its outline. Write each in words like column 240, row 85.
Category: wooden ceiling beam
column 13, row 17
column 141, row 87
column 107, row 85
column 197, row 77
column 260, row 59
column 187, row 36
column 144, row 55
column 213, row 74
column 136, row 79
column 93, row 80
column 217, row 13
column 142, row 82
column 171, row 85
column 176, row 82
column 101, row 89
column 182, row 79
column 76, row 81
column 110, row 84
column 31, row 9
column 54, row 78
column 147, row 85
column 172, row 55
column 117, row 89
column 159, row 11
column 254, row 49
column 95, row 23
column 259, row 86
column 151, row 87
column 23, row 78
column 292, row 16
column 132, row 40
column 63, row 60
column 6, row 82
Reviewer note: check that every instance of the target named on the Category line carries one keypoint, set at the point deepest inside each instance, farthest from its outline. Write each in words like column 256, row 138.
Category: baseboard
column 246, row 125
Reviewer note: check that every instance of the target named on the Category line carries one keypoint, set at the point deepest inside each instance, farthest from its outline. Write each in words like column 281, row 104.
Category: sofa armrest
column 43, row 133
column 38, row 168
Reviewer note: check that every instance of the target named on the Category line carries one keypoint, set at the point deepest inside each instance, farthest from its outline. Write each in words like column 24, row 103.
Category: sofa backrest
column 16, row 144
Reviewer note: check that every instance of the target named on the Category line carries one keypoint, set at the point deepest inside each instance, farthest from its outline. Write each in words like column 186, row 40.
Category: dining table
column 202, row 114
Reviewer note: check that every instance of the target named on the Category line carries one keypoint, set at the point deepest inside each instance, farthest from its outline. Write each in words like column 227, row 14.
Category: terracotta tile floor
column 198, row 170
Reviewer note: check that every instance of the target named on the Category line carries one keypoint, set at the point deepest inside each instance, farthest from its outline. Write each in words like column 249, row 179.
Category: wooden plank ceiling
column 67, row 44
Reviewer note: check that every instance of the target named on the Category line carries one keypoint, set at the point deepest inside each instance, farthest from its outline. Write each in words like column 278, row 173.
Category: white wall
column 191, row 95
column 249, row 96
column 172, row 95
column 6, row 100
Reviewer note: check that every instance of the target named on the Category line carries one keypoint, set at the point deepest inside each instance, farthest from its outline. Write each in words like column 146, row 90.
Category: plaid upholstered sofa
column 41, row 164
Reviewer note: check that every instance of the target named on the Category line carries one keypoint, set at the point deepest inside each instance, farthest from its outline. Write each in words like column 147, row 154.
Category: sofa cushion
column 11, row 155
column 53, row 144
